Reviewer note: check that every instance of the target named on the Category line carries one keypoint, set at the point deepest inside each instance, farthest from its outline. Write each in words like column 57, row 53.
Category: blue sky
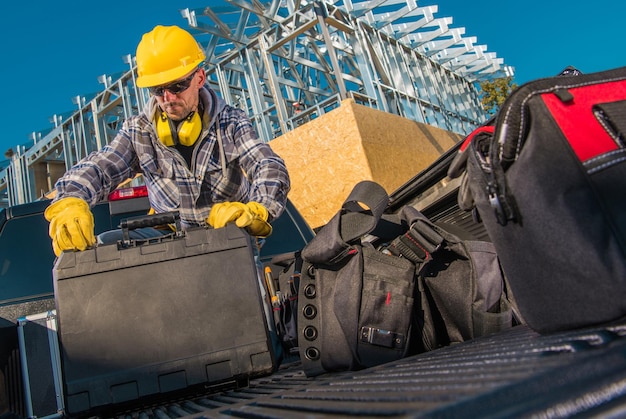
column 55, row 50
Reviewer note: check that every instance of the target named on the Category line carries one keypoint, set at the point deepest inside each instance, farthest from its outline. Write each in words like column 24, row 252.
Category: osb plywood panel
column 325, row 160
column 397, row 148
column 327, row 156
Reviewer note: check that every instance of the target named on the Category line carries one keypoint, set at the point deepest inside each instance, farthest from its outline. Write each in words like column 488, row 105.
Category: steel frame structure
column 285, row 62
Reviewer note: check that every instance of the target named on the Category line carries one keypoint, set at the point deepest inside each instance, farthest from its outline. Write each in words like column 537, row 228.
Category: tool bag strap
column 356, row 220
column 358, row 216
column 419, row 242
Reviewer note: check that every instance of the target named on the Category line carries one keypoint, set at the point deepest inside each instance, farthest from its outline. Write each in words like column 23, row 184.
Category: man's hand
column 71, row 225
column 251, row 216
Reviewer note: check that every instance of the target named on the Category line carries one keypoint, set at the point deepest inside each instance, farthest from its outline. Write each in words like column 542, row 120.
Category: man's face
column 180, row 97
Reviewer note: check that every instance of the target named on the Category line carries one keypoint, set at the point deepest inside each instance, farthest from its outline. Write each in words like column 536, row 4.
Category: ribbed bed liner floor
column 517, row 373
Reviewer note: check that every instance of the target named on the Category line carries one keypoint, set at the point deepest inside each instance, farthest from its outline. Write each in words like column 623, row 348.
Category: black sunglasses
column 174, row 88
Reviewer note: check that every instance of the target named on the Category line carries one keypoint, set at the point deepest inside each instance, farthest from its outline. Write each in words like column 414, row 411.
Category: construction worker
column 197, row 155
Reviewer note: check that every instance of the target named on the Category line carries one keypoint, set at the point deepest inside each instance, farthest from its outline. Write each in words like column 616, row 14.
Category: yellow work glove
column 71, row 225
column 251, row 216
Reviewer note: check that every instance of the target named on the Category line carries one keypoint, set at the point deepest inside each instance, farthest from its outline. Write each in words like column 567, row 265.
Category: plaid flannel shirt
column 253, row 172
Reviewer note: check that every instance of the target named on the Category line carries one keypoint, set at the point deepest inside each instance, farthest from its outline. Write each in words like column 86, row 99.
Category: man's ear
column 202, row 78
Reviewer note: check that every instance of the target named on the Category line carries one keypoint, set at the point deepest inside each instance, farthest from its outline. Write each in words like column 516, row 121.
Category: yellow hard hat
column 165, row 54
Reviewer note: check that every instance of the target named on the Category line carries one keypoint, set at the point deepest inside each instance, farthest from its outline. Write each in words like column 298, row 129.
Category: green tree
column 493, row 93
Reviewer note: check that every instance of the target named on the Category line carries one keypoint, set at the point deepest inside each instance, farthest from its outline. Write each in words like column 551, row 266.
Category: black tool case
column 171, row 315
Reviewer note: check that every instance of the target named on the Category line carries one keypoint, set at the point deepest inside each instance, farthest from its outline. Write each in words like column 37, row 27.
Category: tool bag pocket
column 386, row 307
column 286, row 313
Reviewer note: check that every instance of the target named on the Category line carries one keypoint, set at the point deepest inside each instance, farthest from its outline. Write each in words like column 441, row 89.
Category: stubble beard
column 176, row 111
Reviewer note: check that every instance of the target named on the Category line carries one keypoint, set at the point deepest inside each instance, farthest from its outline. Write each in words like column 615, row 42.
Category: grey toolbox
column 40, row 362
column 175, row 314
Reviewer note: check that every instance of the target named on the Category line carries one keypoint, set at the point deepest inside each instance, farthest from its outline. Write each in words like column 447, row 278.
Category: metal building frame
column 286, row 62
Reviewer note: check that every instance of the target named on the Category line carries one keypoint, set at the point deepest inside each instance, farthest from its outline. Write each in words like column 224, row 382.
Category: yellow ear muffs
column 189, row 130
column 187, row 133
column 164, row 131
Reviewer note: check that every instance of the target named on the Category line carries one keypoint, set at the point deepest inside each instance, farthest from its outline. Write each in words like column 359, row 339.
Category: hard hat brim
column 150, row 80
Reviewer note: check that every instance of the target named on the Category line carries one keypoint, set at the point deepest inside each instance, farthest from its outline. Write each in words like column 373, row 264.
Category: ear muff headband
column 187, row 133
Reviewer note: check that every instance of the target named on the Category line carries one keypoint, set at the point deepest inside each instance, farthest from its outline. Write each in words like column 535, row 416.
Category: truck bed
column 517, row 373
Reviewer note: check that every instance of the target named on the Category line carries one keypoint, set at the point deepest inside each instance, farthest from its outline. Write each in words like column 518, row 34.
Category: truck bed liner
column 517, row 373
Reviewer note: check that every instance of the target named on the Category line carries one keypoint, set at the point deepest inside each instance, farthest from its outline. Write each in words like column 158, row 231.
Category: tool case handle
column 152, row 220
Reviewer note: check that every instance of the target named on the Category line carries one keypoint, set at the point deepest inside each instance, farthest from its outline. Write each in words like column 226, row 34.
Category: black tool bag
column 374, row 289
column 548, row 179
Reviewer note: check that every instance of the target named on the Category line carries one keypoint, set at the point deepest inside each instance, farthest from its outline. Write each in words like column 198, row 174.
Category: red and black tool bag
column 548, row 180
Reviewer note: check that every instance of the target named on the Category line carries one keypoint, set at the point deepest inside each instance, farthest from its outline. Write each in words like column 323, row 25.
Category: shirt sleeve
column 265, row 170
column 95, row 176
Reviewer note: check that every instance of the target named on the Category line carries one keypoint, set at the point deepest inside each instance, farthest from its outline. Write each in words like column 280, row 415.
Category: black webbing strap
column 417, row 244
column 356, row 220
